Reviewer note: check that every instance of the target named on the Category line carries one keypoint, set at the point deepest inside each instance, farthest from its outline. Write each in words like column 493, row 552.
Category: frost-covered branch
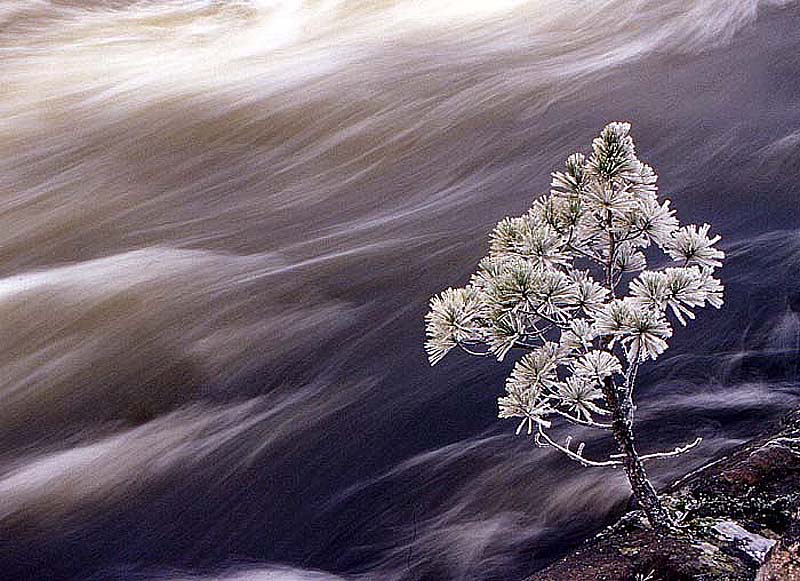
column 585, row 254
column 670, row 454
column 576, row 455
column 469, row 351
column 581, row 422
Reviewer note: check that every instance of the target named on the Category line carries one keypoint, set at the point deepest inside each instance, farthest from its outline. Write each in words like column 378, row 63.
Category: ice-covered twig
column 676, row 452
column 574, row 455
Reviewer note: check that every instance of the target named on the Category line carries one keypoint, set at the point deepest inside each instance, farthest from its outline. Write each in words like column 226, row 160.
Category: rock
column 783, row 561
column 644, row 554
column 752, row 544
column 740, row 520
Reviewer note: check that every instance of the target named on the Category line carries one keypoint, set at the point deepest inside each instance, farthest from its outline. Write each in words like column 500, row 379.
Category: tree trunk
column 622, row 428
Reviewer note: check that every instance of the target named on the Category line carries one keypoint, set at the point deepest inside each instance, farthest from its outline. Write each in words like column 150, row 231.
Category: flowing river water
column 220, row 224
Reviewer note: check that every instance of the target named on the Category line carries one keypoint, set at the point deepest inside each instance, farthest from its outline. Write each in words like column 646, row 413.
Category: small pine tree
column 568, row 283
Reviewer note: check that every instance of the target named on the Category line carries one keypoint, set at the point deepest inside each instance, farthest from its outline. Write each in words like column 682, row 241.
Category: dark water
column 220, row 223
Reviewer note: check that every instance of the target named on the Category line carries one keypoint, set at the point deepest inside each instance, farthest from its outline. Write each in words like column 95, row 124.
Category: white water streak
column 190, row 190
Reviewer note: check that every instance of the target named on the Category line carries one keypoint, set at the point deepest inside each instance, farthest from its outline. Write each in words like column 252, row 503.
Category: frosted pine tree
column 585, row 284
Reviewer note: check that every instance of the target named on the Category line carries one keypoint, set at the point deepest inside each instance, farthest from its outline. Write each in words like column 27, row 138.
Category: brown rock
column 754, row 490
column 783, row 561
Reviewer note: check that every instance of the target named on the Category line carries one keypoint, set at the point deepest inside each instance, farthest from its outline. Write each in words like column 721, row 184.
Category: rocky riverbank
column 739, row 516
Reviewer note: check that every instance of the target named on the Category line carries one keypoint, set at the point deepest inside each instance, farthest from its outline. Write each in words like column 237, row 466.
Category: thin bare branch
column 585, row 254
column 541, row 435
column 550, row 320
column 676, row 452
column 475, row 353
column 582, row 422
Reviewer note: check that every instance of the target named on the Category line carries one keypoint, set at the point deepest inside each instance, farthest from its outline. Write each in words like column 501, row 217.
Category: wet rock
column 753, row 544
column 643, row 554
column 783, row 560
column 739, row 517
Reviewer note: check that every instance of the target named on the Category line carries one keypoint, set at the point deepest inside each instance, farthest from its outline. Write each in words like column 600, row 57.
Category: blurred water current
column 220, row 224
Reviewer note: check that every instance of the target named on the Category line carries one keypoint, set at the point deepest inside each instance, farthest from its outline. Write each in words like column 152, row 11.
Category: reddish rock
column 734, row 509
column 783, row 561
